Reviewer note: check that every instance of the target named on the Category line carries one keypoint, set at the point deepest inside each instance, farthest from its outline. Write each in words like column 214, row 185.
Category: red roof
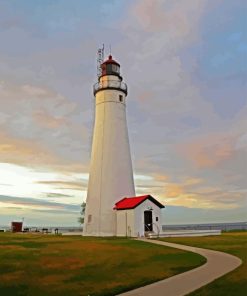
column 110, row 61
column 133, row 202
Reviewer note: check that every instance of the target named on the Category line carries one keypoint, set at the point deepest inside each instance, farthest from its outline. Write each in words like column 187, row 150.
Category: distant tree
column 82, row 212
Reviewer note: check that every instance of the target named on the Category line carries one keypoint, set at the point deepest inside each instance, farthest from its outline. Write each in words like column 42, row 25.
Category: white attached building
column 137, row 216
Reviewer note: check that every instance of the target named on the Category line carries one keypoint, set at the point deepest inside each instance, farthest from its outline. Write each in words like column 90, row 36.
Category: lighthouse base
column 99, row 234
column 102, row 225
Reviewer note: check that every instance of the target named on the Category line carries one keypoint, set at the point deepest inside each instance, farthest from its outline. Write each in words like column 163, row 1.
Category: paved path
column 218, row 264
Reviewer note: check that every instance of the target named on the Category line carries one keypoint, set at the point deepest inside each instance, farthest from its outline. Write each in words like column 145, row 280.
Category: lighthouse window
column 120, row 98
column 157, row 219
column 89, row 218
column 115, row 68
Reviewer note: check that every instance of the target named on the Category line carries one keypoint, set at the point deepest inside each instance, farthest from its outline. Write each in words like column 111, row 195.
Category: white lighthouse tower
column 111, row 174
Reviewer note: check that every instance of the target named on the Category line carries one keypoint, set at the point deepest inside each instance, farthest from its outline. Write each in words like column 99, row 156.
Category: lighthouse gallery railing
column 110, row 84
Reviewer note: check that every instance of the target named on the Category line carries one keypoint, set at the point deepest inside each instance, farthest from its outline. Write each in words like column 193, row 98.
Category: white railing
column 149, row 228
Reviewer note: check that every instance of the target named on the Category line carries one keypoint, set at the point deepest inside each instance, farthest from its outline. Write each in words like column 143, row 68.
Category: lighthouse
column 111, row 173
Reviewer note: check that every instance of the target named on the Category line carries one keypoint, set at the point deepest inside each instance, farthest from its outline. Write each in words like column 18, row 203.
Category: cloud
column 179, row 133
column 175, row 18
column 75, row 185
column 209, row 150
column 184, row 215
column 193, row 192
column 203, row 197
column 35, row 203
column 43, row 130
column 35, row 91
column 57, row 195
column 27, row 152
column 173, row 190
column 186, row 150
column 47, row 121
column 32, row 100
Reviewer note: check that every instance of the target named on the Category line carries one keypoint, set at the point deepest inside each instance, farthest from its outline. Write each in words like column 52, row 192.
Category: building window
column 120, row 98
column 89, row 218
column 157, row 219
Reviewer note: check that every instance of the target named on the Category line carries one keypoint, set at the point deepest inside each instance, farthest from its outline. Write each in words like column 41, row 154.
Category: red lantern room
column 106, row 70
column 110, row 67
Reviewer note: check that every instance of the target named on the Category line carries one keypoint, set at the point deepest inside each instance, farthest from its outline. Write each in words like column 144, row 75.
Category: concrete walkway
column 218, row 264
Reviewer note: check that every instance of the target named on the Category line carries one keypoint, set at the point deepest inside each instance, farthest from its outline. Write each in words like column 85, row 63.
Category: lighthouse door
column 148, row 220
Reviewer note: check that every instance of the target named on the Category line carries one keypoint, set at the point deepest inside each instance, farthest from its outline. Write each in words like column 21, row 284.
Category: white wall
column 139, row 217
column 111, row 175
column 125, row 222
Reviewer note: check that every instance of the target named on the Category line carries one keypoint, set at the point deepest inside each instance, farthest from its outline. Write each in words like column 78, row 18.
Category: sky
column 185, row 64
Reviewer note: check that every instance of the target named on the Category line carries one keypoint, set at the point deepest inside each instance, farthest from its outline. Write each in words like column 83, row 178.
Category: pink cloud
column 46, row 120
column 208, row 151
column 171, row 17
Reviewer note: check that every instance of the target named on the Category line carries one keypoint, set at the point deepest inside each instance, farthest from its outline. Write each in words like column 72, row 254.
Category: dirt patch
column 67, row 263
column 12, row 247
column 51, row 279
column 12, row 276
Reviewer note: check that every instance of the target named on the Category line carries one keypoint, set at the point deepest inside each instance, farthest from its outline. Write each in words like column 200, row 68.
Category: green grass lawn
column 48, row 265
column 235, row 243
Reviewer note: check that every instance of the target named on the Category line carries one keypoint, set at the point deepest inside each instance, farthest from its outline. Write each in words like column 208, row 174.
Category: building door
column 148, row 221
